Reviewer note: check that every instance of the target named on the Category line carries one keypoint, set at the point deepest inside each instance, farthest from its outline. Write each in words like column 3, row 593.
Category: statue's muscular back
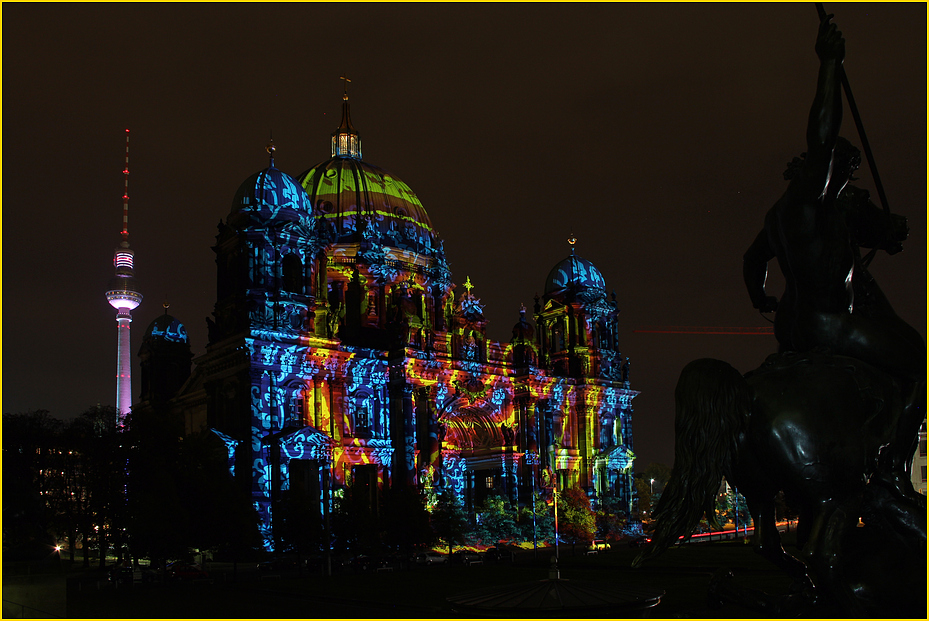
column 811, row 241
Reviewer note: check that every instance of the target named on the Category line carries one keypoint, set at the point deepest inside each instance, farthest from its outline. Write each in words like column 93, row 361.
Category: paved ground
column 418, row 592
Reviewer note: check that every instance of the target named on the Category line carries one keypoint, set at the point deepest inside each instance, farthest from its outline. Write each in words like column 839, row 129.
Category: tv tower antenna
column 123, row 295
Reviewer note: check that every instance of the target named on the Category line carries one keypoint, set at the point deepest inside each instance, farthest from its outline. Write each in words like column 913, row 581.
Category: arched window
column 292, row 272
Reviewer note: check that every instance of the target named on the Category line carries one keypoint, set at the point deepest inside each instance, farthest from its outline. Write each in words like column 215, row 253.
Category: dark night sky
column 657, row 133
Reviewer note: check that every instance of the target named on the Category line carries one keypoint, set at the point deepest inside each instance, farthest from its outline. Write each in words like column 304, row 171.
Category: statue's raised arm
column 826, row 112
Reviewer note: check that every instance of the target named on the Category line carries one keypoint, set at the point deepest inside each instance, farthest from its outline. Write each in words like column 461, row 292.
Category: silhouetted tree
column 611, row 521
column 644, row 496
column 103, row 459
column 406, row 520
column 181, row 493
column 221, row 513
column 31, row 463
column 449, row 520
column 355, row 523
column 159, row 521
column 300, row 523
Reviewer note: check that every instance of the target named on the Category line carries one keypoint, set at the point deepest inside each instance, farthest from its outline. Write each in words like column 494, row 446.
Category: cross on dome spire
column 345, row 87
column 270, row 149
column 345, row 140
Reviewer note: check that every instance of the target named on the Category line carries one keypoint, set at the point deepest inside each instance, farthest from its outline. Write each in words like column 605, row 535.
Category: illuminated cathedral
column 340, row 351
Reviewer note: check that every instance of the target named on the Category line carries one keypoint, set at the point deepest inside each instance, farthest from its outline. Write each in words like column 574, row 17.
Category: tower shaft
column 123, row 363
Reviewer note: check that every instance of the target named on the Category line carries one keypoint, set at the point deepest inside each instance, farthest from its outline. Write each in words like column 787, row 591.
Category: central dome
column 362, row 201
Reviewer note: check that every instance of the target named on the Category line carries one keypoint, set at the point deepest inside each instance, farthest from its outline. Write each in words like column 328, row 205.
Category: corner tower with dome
column 341, row 354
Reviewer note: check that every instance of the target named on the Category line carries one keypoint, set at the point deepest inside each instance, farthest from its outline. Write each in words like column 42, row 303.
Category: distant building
column 340, row 350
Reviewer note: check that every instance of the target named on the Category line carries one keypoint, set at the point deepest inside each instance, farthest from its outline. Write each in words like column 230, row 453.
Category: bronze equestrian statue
column 832, row 419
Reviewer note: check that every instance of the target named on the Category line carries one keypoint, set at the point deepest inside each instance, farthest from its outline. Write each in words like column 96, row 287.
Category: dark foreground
column 419, row 592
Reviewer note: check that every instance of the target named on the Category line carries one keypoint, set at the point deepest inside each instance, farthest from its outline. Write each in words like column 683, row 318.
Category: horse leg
column 896, row 460
column 823, row 551
column 767, row 542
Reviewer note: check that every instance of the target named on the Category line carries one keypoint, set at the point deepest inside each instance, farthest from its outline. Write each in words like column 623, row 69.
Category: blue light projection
column 577, row 272
column 174, row 332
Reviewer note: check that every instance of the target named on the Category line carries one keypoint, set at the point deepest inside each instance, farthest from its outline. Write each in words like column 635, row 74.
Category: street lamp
column 651, row 486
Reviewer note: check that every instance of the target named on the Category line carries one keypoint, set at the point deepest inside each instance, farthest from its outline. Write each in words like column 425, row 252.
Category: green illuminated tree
column 496, row 521
column 576, row 520
column 449, row 520
column 544, row 520
column 611, row 522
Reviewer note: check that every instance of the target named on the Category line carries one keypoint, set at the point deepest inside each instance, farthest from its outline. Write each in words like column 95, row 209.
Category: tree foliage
column 406, row 520
column 496, row 521
column 544, row 521
column 732, row 507
column 29, row 453
column 355, row 523
column 644, row 495
column 449, row 520
column 181, row 494
column 299, row 523
column 100, row 442
column 576, row 520
column 611, row 522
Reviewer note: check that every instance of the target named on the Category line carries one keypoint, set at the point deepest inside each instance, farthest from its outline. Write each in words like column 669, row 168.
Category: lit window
column 489, row 481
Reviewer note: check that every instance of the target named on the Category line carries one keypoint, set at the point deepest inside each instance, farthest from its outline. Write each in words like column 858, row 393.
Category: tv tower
column 123, row 295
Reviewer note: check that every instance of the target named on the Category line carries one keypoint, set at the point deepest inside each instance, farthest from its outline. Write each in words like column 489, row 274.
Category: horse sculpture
column 811, row 425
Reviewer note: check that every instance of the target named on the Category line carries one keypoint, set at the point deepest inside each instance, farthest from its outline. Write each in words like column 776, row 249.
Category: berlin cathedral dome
column 577, row 275
column 270, row 195
column 362, row 202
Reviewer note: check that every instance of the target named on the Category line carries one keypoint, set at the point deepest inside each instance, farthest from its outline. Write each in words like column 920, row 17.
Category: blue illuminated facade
column 340, row 348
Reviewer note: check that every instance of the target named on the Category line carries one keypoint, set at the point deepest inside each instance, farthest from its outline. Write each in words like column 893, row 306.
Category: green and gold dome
column 362, row 202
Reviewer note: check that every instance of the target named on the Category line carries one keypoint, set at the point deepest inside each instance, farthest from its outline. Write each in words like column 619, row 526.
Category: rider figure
column 813, row 230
